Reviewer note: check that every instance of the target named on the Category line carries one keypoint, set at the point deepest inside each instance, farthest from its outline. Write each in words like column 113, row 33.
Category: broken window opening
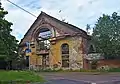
column 45, row 33
column 43, row 45
column 43, row 39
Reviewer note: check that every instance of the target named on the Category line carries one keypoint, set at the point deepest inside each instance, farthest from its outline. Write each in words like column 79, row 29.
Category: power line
column 21, row 8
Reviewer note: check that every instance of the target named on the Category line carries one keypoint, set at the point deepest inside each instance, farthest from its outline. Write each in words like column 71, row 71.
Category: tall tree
column 8, row 42
column 106, row 35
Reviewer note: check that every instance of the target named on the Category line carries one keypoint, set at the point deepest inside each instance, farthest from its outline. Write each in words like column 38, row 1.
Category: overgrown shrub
column 114, row 70
column 104, row 68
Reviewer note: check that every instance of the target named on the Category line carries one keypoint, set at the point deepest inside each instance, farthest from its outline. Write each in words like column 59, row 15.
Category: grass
column 21, row 76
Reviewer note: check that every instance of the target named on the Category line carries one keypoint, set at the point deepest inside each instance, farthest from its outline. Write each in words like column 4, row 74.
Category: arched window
column 65, row 55
column 44, row 35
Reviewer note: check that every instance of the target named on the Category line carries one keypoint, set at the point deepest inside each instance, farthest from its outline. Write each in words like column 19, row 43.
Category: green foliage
column 8, row 42
column 106, row 35
column 108, row 69
column 49, row 70
column 91, row 49
column 114, row 70
column 93, row 71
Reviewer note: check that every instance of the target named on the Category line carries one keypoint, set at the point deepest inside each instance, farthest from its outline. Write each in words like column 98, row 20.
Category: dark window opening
column 65, row 55
column 45, row 61
column 27, row 61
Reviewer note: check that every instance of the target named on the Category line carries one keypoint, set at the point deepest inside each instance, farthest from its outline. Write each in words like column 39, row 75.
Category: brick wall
column 111, row 63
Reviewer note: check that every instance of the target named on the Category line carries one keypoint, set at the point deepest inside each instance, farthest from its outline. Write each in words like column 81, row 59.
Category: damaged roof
column 72, row 27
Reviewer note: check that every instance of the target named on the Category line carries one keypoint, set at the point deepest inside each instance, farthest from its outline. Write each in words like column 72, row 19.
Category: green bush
column 49, row 70
column 114, row 70
column 100, row 69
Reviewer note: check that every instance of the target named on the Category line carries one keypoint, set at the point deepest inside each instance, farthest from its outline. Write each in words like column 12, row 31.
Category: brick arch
column 36, row 31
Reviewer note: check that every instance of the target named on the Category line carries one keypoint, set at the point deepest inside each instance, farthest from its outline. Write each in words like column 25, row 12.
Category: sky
column 76, row 12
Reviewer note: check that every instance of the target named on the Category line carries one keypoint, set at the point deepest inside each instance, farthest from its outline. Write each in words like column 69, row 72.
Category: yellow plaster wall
column 74, row 44
column 55, row 52
column 35, row 60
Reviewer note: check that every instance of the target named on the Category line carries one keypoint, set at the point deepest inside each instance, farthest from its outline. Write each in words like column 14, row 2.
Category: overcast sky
column 76, row 12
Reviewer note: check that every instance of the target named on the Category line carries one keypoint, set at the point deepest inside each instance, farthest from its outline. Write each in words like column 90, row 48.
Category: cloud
column 79, row 12
column 20, row 19
column 76, row 12
column 33, row 4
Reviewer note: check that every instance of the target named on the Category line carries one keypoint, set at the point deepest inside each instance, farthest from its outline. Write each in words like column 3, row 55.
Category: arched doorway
column 65, row 55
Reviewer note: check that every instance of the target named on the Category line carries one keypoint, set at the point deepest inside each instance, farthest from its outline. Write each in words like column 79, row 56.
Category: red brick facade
column 104, row 62
column 111, row 63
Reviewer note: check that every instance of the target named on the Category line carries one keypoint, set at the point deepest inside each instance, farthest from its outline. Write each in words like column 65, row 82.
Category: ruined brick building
column 55, row 44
